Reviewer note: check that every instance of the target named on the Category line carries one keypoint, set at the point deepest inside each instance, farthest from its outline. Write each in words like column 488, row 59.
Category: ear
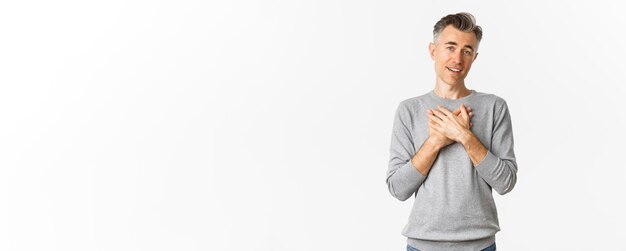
column 431, row 50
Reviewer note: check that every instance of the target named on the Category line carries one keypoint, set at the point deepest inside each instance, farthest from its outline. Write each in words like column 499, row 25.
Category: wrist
column 433, row 144
column 465, row 137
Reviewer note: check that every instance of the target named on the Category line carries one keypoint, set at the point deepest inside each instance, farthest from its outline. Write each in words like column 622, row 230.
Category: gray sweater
column 454, row 207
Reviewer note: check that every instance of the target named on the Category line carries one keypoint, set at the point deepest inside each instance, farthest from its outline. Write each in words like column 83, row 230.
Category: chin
column 453, row 82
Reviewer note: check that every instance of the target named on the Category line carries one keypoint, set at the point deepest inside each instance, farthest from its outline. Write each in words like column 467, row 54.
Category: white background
column 265, row 125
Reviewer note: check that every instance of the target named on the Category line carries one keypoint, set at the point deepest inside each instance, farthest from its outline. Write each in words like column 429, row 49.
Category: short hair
column 463, row 21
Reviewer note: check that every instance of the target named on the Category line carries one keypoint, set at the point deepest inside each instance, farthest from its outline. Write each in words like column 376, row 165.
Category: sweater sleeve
column 499, row 168
column 403, row 179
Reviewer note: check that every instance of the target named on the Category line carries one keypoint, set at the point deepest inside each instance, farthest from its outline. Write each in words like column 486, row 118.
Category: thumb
column 464, row 113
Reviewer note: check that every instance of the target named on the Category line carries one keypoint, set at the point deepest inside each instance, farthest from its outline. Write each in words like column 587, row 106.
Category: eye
column 450, row 48
column 468, row 53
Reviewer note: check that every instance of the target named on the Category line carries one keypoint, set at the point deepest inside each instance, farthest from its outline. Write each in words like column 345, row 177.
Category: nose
column 457, row 57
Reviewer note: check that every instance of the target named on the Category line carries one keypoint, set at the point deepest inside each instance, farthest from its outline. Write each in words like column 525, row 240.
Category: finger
column 437, row 113
column 444, row 111
column 432, row 123
column 432, row 115
column 434, row 127
column 464, row 113
column 457, row 111
column 434, row 118
column 440, row 115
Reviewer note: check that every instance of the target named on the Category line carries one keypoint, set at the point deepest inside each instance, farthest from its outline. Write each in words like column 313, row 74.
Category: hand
column 439, row 138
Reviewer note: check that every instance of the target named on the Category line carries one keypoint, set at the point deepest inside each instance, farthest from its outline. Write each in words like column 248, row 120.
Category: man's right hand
column 439, row 139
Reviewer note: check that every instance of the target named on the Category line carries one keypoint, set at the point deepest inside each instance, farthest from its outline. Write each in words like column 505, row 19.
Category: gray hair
column 463, row 21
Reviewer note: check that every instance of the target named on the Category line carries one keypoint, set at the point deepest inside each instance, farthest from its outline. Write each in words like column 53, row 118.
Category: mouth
column 455, row 70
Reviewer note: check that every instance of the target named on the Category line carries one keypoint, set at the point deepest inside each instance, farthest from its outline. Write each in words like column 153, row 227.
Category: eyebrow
column 466, row 46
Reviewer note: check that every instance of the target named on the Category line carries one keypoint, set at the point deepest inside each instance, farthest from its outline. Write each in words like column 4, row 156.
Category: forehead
column 451, row 34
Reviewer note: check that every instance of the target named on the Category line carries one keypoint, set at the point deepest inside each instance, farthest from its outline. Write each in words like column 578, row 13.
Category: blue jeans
column 490, row 248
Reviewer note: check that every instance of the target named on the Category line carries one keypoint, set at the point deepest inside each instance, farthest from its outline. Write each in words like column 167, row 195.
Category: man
column 450, row 147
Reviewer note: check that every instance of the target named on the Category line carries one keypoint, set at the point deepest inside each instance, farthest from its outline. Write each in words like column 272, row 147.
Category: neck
column 447, row 91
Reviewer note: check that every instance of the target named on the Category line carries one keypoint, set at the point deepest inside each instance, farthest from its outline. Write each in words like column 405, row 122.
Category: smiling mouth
column 453, row 69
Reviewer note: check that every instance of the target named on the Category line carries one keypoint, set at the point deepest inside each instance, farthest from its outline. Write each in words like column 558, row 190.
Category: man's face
column 454, row 52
